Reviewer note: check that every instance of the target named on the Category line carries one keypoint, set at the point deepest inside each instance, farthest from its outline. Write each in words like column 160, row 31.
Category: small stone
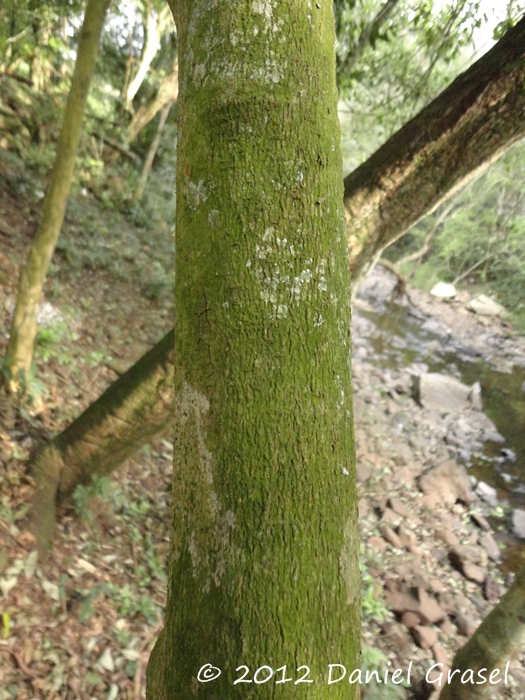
column 517, row 523
column 447, row 536
column 425, row 637
column 401, row 602
column 485, row 306
column 396, row 634
column 407, row 537
column 410, row 619
column 363, row 507
column 378, row 543
column 446, row 483
column 491, row 590
column 480, row 521
column 429, row 610
column 475, row 397
column 487, row 493
column 466, row 624
column 389, row 515
column 405, row 476
column 467, row 553
column 398, row 507
column 390, row 536
column 440, row 655
column 447, row 628
column 491, row 546
column 362, row 473
column 443, row 290
column 473, row 572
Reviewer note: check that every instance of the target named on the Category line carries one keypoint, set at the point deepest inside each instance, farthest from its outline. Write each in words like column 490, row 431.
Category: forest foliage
column 392, row 59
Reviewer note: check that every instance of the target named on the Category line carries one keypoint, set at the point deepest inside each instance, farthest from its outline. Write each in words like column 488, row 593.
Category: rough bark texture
column 263, row 567
column 23, row 329
column 130, row 412
column 467, row 127
column 500, row 637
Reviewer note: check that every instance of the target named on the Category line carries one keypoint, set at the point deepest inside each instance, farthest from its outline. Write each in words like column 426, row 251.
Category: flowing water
column 400, row 337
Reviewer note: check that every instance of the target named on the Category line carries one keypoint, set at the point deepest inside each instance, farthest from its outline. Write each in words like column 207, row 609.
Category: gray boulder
column 517, row 523
column 485, row 306
column 443, row 393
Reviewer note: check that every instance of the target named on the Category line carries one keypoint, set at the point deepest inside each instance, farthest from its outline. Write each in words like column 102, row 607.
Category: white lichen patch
column 263, row 7
column 209, row 526
column 213, row 217
column 195, row 194
column 199, row 71
column 274, row 264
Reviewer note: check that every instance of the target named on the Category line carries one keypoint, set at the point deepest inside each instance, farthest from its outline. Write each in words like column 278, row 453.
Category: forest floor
column 82, row 625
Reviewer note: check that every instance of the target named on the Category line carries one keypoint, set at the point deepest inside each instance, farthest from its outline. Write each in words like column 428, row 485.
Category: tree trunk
column 152, row 152
column 23, row 328
column 500, row 637
column 465, row 128
column 167, row 92
column 263, row 568
column 154, row 27
column 129, row 413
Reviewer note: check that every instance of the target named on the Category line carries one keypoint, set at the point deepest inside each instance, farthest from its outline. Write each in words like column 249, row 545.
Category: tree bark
column 498, row 639
column 464, row 129
column 263, row 568
column 129, row 413
column 23, row 327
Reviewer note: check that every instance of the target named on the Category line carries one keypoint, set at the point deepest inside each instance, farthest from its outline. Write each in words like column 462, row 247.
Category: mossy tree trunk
column 23, row 328
column 499, row 638
column 464, row 129
column 133, row 410
column 263, row 568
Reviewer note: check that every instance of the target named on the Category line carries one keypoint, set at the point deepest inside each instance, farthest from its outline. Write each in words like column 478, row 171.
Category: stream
column 400, row 336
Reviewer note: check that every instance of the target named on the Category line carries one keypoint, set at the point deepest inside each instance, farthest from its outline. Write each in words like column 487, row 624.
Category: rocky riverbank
column 435, row 538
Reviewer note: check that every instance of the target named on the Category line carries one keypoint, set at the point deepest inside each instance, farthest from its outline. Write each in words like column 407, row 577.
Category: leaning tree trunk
column 154, row 26
column 499, row 638
column 465, row 128
column 138, row 406
column 23, row 328
column 167, row 92
column 152, row 152
column 263, row 568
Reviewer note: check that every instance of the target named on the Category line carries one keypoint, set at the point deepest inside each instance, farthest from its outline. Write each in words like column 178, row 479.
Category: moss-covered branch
column 464, row 129
column 128, row 414
column 499, row 638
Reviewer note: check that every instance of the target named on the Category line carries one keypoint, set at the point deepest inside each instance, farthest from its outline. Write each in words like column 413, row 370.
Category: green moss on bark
column 23, row 327
column 128, row 414
column 263, row 567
